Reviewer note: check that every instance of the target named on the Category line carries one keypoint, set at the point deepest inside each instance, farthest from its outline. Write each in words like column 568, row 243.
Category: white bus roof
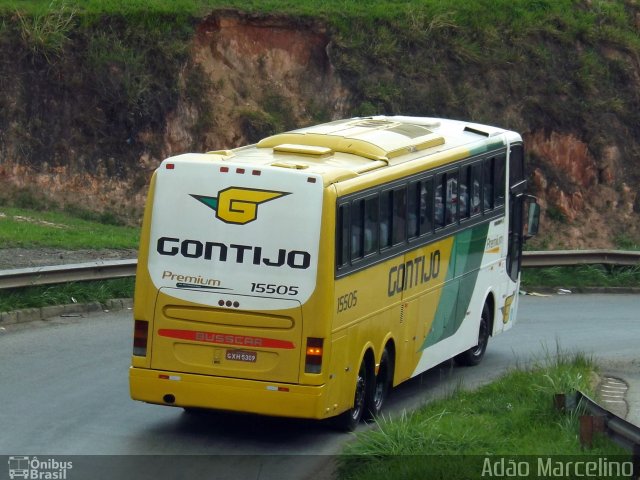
column 345, row 149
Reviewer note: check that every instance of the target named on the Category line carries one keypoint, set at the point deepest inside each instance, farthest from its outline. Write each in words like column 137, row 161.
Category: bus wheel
column 474, row 355
column 382, row 387
column 349, row 420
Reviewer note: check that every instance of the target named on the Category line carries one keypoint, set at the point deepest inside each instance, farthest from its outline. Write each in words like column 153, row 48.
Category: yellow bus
column 307, row 274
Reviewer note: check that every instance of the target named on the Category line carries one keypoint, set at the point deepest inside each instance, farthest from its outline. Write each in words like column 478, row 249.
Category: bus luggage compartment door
column 229, row 339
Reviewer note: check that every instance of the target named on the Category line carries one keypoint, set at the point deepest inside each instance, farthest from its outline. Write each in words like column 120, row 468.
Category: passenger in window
column 439, row 207
column 426, row 205
column 475, row 199
column 371, row 226
column 356, row 241
column 384, row 233
column 399, row 216
column 413, row 210
column 385, row 219
column 488, row 197
column 464, row 202
column 452, row 200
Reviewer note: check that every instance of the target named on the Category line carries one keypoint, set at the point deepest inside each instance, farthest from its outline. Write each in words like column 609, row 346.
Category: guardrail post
column 559, row 401
column 589, row 424
column 565, row 402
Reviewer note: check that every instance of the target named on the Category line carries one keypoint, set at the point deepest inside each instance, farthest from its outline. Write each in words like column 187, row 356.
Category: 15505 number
column 345, row 302
column 277, row 289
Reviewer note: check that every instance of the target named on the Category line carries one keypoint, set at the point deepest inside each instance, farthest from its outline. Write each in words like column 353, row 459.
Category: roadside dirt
column 12, row 258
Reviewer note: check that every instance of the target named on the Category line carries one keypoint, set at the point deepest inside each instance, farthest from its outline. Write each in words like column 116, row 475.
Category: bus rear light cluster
column 313, row 358
column 140, row 336
column 240, row 171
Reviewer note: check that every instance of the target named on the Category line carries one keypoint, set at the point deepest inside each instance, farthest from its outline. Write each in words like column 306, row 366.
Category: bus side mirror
column 533, row 216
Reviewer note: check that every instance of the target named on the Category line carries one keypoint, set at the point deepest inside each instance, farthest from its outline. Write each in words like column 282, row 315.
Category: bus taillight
column 313, row 359
column 140, row 334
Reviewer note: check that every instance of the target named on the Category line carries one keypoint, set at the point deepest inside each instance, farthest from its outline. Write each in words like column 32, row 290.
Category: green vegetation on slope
column 90, row 90
column 89, row 84
column 398, row 56
column 450, row 438
column 28, row 228
column 105, row 75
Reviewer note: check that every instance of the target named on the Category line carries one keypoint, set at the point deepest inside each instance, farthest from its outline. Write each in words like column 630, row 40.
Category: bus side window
column 476, row 194
column 487, row 177
column 399, row 215
column 463, row 195
column 357, row 230
column 385, row 219
column 452, row 198
column 343, row 235
column 413, row 209
column 500, row 179
column 516, row 165
column 371, row 209
column 426, row 206
column 439, row 201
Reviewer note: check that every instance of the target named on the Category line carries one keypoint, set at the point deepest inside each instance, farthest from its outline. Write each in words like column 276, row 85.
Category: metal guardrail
column 559, row 258
column 624, row 433
column 25, row 277
column 77, row 272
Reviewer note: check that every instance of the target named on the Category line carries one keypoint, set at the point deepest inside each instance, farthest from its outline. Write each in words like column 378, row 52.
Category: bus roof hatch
column 373, row 138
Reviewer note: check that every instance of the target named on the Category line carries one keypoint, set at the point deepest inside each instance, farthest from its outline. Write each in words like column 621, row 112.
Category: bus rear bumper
column 219, row 393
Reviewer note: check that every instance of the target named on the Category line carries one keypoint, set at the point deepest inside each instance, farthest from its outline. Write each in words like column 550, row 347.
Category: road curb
column 26, row 315
column 594, row 290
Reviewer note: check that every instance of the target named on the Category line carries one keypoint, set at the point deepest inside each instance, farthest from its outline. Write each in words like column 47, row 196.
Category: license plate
column 241, row 356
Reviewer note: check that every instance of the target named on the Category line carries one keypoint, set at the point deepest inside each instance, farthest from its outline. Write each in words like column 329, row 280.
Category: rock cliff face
column 586, row 199
column 258, row 74
column 263, row 73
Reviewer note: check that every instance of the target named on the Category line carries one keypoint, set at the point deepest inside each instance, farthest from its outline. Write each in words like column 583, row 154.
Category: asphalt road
column 64, row 391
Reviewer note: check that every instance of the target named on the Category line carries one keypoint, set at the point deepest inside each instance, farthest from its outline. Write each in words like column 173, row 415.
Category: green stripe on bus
column 487, row 147
column 464, row 265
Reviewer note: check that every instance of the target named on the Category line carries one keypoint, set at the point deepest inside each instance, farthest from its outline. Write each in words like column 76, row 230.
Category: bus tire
column 349, row 420
column 382, row 386
column 474, row 355
column 193, row 411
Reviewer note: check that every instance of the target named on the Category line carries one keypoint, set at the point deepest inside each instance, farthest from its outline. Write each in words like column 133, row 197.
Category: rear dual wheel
column 370, row 393
column 382, row 386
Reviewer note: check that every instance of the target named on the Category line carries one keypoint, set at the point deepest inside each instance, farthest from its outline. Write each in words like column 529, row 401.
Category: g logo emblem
column 238, row 205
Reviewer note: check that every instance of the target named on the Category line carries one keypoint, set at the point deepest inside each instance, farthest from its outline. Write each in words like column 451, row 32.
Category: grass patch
column 561, row 19
column 450, row 438
column 582, row 276
column 626, row 242
column 21, row 227
column 47, row 33
column 30, row 228
column 66, row 293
